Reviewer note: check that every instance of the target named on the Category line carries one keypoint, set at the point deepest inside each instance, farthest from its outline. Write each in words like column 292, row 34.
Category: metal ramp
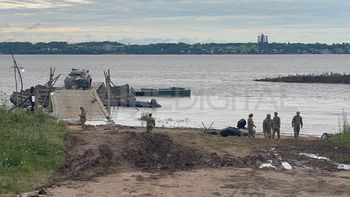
column 66, row 104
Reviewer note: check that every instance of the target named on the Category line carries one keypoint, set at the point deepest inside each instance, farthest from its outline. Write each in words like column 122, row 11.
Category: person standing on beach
column 251, row 125
column 276, row 125
column 150, row 123
column 82, row 118
column 267, row 126
column 297, row 123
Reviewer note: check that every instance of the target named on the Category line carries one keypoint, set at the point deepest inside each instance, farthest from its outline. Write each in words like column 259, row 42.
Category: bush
column 31, row 149
column 144, row 116
column 343, row 137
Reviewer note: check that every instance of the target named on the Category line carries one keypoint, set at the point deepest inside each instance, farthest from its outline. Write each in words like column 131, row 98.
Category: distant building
column 263, row 43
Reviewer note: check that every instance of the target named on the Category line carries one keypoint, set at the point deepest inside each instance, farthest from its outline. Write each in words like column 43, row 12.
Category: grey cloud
column 39, row 4
column 4, row 25
column 34, row 26
column 195, row 16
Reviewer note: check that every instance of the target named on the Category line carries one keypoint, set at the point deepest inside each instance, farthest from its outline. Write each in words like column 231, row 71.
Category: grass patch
column 144, row 116
column 31, row 149
column 343, row 137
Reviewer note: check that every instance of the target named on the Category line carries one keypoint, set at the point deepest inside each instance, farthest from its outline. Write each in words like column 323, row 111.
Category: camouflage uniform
column 251, row 125
column 276, row 125
column 150, row 124
column 267, row 126
column 82, row 118
column 297, row 123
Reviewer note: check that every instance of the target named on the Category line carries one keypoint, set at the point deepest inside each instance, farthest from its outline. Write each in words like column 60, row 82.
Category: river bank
column 110, row 159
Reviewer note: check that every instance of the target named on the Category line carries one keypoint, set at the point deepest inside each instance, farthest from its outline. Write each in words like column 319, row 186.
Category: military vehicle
column 78, row 79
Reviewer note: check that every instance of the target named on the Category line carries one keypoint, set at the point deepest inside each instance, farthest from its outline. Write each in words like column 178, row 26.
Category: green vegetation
column 169, row 48
column 31, row 149
column 144, row 116
column 341, row 78
column 343, row 137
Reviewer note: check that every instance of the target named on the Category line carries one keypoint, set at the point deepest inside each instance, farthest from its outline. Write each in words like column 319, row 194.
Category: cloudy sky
column 191, row 21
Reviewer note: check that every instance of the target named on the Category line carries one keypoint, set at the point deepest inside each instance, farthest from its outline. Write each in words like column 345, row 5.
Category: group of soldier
column 271, row 127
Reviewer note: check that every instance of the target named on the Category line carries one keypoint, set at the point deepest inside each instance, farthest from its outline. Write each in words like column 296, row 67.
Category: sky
column 190, row 21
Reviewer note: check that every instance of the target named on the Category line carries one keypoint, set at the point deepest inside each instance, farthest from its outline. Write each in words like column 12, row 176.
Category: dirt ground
column 114, row 160
column 211, row 182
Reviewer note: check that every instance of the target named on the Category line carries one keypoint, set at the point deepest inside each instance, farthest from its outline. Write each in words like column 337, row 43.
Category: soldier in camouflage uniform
column 251, row 125
column 82, row 118
column 276, row 125
column 150, row 123
column 267, row 126
column 297, row 123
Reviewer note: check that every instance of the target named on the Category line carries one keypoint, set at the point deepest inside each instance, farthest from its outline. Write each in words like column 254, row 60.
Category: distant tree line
column 169, row 48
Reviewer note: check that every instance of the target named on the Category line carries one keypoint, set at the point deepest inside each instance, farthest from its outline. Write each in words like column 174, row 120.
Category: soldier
column 276, row 125
column 297, row 123
column 82, row 118
column 267, row 126
column 151, row 123
column 32, row 99
column 251, row 125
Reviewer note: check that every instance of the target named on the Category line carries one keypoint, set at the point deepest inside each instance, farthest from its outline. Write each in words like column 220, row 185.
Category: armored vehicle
column 78, row 79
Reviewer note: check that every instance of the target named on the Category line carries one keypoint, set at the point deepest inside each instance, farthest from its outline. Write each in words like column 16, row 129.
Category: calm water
column 222, row 86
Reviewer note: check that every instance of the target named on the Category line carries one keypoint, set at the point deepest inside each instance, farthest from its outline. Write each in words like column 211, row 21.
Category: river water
column 223, row 90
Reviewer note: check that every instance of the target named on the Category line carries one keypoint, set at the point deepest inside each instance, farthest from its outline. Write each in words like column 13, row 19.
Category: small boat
column 124, row 96
column 172, row 91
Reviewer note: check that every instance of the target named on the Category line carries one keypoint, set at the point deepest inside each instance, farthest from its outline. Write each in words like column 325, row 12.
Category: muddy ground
column 123, row 161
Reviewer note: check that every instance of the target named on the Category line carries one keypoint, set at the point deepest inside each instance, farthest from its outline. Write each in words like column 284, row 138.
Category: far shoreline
column 170, row 54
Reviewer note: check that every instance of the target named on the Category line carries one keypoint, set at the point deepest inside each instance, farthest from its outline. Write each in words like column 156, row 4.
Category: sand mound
column 156, row 151
column 146, row 152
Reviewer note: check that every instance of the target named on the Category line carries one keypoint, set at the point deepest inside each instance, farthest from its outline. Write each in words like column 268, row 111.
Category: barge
column 172, row 92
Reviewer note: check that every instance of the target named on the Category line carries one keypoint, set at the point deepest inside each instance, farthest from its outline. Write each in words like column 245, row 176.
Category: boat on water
column 172, row 92
column 124, row 96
